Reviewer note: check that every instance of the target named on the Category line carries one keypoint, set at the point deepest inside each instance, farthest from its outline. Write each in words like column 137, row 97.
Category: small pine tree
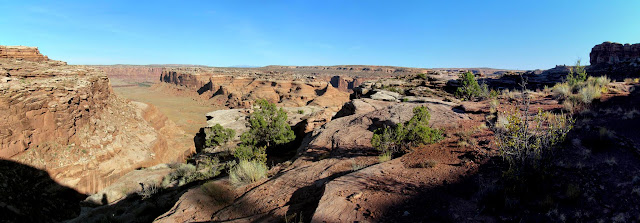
column 396, row 139
column 418, row 130
column 576, row 75
column 469, row 88
column 268, row 126
column 218, row 135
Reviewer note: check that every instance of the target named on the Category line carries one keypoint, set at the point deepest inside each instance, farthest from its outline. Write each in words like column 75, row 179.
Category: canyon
column 114, row 139
column 66, row 120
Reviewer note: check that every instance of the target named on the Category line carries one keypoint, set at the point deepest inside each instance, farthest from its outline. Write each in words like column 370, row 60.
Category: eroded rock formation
column 612, row 53
column 615, row 60
column 132, row 73
column 241, row 91
column 66, row 120
column 22, row 52
column 325, row 155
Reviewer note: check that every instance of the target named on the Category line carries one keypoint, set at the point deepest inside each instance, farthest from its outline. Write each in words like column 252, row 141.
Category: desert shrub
column 246, row 172
column 208, row 168
column 576, row 74
column 220, row 193
column 469, row 87
column 422, row 76
column 589, row 93
column 244, row 152
column 486, row 92
column 561, row 90
column 385, row 156
column 148, row 191
column 579, row 90
column 205, row 168
column 526, row 141
column 301, row 111
column 388, row 139
column 267, row 126
column 601, row 82
column 218, row 135
column 398, row 139
column 183, row 174
column 393, row 89
column 418, row 130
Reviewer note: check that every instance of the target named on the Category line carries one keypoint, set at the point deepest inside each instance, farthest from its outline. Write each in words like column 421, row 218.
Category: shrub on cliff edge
column 268, row 126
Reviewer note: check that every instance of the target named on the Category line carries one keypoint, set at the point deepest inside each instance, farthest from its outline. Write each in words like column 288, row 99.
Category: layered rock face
column 615, row 60
column 612, row 53
column 22, row 52
column 241, row 91
column 67, row 121
column 132, row 73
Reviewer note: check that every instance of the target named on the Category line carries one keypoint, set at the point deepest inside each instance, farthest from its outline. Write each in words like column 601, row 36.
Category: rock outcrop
column 22, row 52
column 67, row 121
column 241, row 91
column 325, row 155
column 615, row 60
column 612, row 53
column 132, row 73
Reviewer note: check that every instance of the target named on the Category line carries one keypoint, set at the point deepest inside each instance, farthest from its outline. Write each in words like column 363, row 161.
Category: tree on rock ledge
column 268, row 126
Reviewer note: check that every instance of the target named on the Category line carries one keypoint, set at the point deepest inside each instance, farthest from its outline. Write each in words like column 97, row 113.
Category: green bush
column 206, row 168
column 422, row 76
column 398, row 139
column 244, row 152
column 246, row 172
column 218, row 135
column 589, row 93
column 469, row 87
column 526, row 141
column 577, row 74
column 267, row 126
column 418, row 130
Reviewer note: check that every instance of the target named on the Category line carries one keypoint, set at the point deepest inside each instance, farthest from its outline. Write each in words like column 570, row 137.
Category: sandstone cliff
column 22, row 52
column 66, row 120
column 132, row 73
column 612, row 53
column 241, row 91
column 615, row 60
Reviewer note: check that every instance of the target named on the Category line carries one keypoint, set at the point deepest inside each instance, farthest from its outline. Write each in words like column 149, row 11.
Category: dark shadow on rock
column 207, row 87
column 135, row 208
column 305, row 200
column 199, row 140
column 28, row 194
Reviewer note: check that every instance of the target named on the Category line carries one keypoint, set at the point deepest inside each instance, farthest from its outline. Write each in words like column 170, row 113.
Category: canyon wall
column 132, row 73
column 67, row 121
column 22, row 52
column 239, row 91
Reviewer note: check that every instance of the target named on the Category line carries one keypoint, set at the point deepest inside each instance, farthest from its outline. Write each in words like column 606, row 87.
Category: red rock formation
column 132, row 73
column 612, row 53
column 22, row 52
column 67, row 121
column 241, row 91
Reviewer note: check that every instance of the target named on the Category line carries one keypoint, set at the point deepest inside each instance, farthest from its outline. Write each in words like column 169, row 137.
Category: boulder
column 384, row 95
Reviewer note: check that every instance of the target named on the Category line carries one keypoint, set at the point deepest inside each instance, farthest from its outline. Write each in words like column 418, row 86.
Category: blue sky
column 498, row 34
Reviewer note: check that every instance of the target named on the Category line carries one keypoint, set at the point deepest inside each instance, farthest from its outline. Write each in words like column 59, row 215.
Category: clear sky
column 500, row 34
